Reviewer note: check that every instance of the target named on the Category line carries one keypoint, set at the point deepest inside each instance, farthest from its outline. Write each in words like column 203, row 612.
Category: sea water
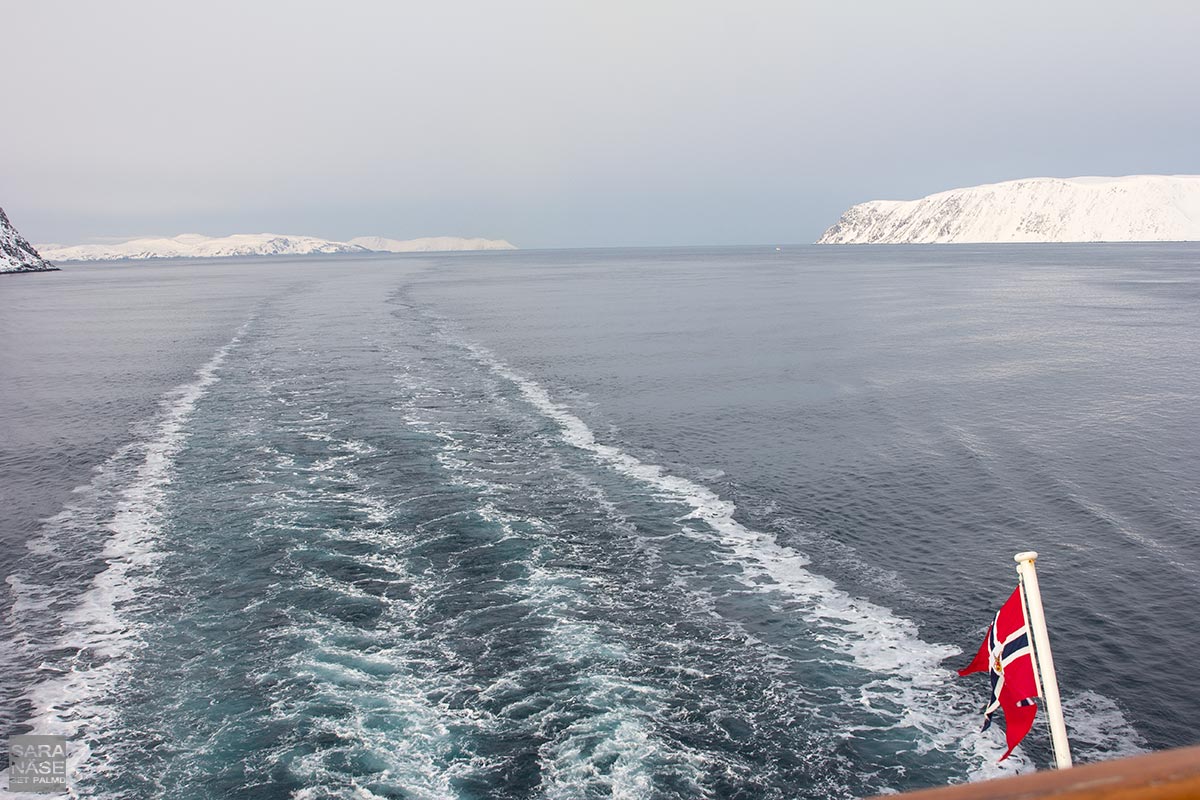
column 645, row 523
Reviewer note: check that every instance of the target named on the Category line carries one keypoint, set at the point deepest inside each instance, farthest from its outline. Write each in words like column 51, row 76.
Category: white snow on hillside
column 429, row 244
column 194, row 245
column 17, row 254
column 1137, row 208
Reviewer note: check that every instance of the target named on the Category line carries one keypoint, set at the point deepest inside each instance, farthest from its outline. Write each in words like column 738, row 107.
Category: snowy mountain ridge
column 195, row 245
column 17, row 254
column 1134, row 208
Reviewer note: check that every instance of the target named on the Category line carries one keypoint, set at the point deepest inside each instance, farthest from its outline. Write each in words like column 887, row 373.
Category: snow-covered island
column 194, row 245
column 1136, row 208
column 17, row 254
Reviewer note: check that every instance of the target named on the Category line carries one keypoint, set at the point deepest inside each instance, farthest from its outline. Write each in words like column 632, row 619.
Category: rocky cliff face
column 17, row 254
column 1138, row 208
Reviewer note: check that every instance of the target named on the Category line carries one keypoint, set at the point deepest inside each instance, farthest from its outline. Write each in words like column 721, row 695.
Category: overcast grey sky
column 565, row 123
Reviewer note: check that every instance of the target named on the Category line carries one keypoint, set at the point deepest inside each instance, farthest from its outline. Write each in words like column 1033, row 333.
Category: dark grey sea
column 667, row 523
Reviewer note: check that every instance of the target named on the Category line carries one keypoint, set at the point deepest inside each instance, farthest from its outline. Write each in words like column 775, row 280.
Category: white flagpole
column 1042, row 658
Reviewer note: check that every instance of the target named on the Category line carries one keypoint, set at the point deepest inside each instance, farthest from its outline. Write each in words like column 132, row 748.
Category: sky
column 569, row 124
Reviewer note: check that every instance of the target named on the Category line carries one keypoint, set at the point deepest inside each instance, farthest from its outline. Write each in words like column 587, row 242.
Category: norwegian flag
column 1007, row 656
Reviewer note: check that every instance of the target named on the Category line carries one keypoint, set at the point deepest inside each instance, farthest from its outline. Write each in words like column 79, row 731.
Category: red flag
column 1007, row 656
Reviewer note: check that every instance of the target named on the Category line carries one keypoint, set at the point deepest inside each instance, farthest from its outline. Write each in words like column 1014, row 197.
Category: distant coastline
column 194, row 245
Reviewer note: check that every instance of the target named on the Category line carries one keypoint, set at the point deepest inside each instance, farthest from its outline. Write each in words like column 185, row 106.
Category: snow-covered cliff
column 194, row 245
column 1137, row 208
column 16, row 254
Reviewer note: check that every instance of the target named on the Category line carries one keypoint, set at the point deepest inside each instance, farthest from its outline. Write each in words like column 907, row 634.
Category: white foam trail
column 871, row 637
column 1098, row 728
column 617, row 751
column 904, row 679
column 96, row 626
column 390, row 722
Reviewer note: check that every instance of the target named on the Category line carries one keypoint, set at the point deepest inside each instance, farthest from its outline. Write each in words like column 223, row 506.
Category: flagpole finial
column 1028, row 555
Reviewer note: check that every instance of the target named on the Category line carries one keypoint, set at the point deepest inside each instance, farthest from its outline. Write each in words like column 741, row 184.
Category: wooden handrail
column 1166, row 775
